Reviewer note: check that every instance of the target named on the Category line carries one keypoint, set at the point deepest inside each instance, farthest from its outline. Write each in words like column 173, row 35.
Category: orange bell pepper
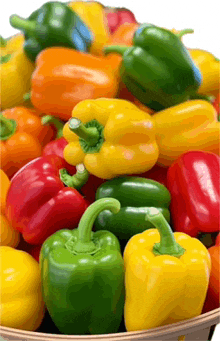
column 64, row 77
column 22, row 137
column 8, row 236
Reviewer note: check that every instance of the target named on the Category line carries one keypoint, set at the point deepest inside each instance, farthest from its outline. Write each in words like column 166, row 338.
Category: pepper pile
column 109, row 173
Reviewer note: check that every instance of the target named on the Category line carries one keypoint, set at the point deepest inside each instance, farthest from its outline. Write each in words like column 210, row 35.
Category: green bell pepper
column 158, row 69
column 53, row 24
column 136, row 195
column 83, row 276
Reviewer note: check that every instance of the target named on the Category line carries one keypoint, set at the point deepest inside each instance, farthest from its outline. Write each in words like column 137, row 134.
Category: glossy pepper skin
column 135, row 195
column 16, row 71
column 193, row 181
column 213, row 295
column 158, row 69
column 22, row 137
column 115, row 138
column 22, row 305
column 93, row 15
column 45, row 204
column 8, row 235
column 64, row 77
column 86, row 296
column 192, row 125
column 166, row 276
column 209, row 66
column 53, row 24
column 117, row 17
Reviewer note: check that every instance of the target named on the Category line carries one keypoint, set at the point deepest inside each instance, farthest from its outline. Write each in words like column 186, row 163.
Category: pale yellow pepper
column 93, row 14
column 8, row 235
column 115, row 138
column 192, row 125
column 22, row 305
column 166, row 276
column 209, row 66
column 16, row 71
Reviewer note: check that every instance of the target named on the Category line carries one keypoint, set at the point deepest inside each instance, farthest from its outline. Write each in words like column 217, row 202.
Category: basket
column 197, row 328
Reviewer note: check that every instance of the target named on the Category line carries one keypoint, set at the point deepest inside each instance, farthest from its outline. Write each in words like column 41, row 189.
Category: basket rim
column 190, row 325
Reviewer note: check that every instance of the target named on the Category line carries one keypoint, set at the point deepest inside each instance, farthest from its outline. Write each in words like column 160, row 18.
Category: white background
column 202, row 16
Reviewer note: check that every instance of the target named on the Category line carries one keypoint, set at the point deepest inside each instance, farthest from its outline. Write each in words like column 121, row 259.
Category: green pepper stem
column 77, row 180
column 48, row 119
column 84, row 243
column 7, row 127
column 23, row 24
column 167, row 245
column 90, row 135
column 120, row 49
column 3, row 42
column 183, row 32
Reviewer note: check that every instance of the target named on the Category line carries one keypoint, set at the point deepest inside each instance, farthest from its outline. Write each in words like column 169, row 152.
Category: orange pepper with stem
column 22, row 137
column 8, row 236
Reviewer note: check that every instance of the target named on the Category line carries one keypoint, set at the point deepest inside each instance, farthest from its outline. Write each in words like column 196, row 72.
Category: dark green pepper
column 53, row 24
column 158, row 69
column 83, row 276
column 136, row 195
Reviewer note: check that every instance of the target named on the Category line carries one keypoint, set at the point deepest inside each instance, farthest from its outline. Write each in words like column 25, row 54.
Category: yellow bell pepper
column 8, row 236
column 92, row 13
column 210, row 69
column 166, row 276
column 187, row 126
column 16, row 71
column 111, row 137
column 22, row 306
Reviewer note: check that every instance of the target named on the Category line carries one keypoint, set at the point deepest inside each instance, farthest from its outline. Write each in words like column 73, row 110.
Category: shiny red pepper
column 117, row 17
column 213, row 295
column 193, row 181
column 38, row 204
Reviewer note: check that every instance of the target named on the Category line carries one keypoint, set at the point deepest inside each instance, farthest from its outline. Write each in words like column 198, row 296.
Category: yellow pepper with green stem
column 111, row 137
column 166, row 276
column 16, row 71
column 191, row 125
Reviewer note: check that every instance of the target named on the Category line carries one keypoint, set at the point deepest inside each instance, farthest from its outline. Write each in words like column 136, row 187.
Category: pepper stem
column 90, row 135
column 120, row 49
column 3, row 42
column 48, row 119
column 77, row 180
column 7, row 127
column 84, row 243
column 167, row 245
column 183, row 32
column 23, row 24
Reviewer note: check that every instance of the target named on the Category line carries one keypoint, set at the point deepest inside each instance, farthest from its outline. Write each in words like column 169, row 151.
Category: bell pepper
column 216, row 104
column 8, row 235
column 22, row 137
column 209, row 66
column 135, row 195
column 38, row 204
column 53, row 24
column 166, row 276
column 118, row 16
column 213, row 295
column 193, row 125
column 111, row 138
column 193, row 181
column 93, row 15
column 158, row 69
column 16, row 71
column 22, row 305
column 64, row 77
column 124, row 34
column 89, row 266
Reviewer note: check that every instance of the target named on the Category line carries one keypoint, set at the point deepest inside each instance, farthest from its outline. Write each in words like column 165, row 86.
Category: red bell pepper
column 38, row 204
column 213, row 295
column 118, row 16
column 193, row 181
